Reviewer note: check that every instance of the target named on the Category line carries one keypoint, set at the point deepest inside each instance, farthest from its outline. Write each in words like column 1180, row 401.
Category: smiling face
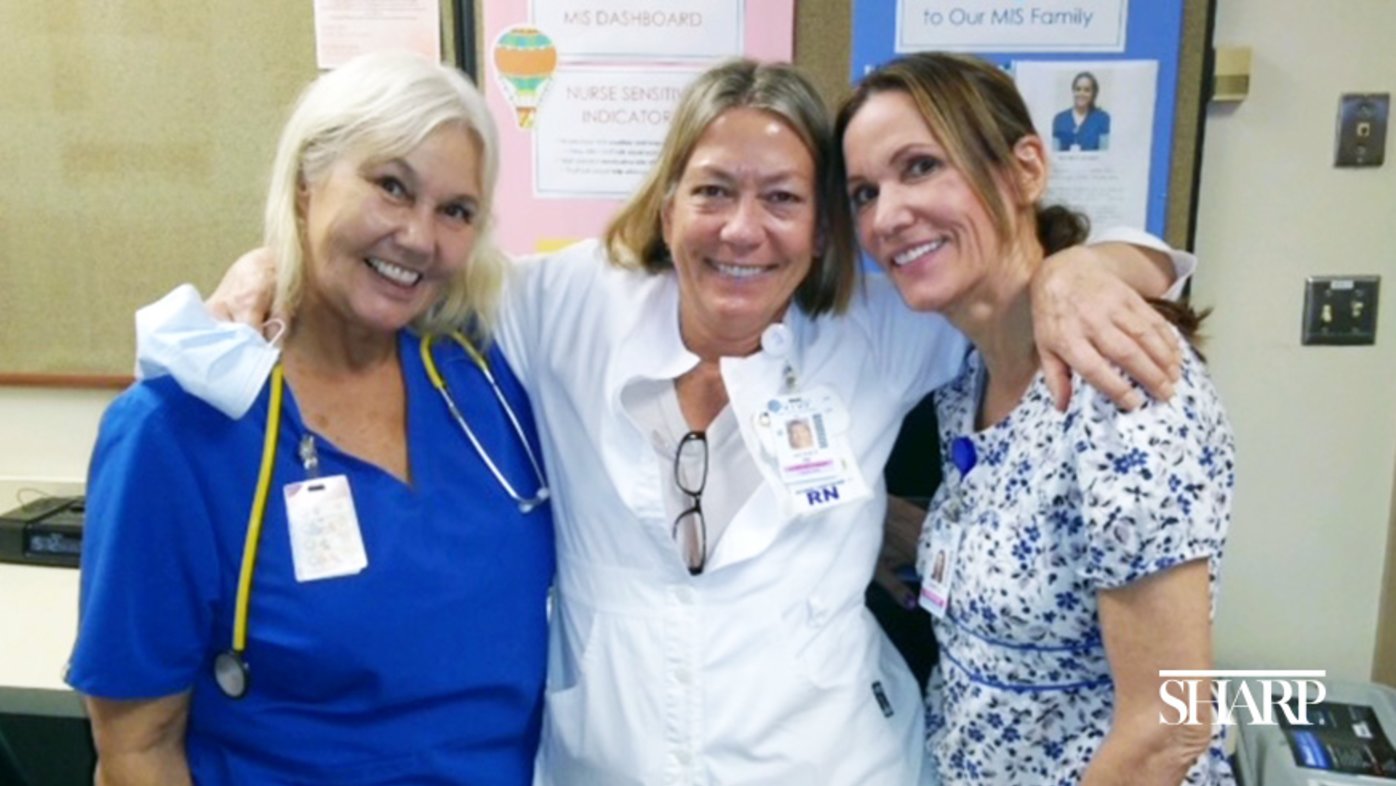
column 915, row 212
column 1083, row 92
column 741, row 225
column 382, row 237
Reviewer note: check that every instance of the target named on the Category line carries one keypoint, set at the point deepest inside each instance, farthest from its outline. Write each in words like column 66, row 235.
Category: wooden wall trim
column 98, row 381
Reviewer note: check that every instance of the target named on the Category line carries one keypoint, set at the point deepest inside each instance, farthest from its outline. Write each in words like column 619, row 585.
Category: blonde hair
column 380, row 106
column 635, row 237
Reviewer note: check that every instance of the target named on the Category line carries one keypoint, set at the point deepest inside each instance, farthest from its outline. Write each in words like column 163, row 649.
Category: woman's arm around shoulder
column 1090, row 314
column 542, row 293
column 246, row 290
column 915, row 351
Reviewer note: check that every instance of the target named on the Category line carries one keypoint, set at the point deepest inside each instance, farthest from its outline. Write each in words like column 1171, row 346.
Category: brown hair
column 1095, row 85
column 976, row 112
column 635, row 237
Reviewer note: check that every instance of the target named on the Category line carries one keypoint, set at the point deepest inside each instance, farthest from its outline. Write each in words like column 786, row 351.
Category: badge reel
column 946, row 525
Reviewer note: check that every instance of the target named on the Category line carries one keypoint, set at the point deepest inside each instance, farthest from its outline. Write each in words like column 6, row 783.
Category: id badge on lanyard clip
column 805, row 435
column 946, row 525
column 325, row 538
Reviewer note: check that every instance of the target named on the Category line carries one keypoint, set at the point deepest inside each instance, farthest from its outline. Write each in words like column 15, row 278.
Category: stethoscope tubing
column 525, row 504
column 230, row 668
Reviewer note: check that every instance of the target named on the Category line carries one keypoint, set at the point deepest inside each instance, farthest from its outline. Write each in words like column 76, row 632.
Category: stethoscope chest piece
column 231, row 674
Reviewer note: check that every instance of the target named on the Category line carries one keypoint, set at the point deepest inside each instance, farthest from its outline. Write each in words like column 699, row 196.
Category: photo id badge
column 325, row 538
column 938, row 561
column 805, row 434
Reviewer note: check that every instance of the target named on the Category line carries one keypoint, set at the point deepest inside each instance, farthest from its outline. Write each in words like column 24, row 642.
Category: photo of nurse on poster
column 1084, row 125
column 1097, row 118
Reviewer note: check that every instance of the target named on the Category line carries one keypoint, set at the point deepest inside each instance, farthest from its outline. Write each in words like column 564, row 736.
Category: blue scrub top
column 427, row 667
column 1089, row 136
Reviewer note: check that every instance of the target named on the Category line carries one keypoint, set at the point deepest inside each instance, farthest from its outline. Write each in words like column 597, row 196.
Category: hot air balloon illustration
column 524, row 58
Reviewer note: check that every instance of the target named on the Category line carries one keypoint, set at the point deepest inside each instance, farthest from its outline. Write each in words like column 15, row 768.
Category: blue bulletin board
column 1144, row 30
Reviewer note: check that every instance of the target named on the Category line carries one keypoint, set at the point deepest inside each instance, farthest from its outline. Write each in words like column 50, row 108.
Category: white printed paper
column 1104, row 175
column 600, row 129
column 647, row 30
column 345, row 29
column 1001, row 26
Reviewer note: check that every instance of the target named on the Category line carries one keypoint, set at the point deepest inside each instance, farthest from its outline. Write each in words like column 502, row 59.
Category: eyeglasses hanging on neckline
column 690, row 530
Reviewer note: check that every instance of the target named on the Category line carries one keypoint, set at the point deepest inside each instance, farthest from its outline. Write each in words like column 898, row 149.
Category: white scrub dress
column 766, row 668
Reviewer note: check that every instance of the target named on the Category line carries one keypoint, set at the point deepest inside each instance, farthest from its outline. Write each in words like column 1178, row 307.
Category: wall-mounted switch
column 1340, row 309
column 1362, row 129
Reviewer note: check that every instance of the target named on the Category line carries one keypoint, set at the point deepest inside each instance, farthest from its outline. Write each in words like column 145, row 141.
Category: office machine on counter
column 47, row 531
column 1345, row 741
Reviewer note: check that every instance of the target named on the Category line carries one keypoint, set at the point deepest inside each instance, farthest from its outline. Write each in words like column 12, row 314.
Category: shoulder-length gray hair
column 378, row 107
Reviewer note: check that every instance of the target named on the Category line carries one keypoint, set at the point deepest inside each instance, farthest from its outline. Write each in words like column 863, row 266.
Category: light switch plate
column 1362, row 120
column 1340, row 310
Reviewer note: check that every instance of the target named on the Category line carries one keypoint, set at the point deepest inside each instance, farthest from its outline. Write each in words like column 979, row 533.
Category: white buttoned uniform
column 766, row 668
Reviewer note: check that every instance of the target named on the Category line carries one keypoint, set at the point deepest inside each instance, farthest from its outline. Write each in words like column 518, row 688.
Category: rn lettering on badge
column 822, row 496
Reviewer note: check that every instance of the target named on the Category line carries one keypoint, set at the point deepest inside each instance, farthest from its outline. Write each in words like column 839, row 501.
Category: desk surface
column 38, row 622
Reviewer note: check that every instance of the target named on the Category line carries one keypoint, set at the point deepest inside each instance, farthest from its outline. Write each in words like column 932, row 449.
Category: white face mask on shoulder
column 223, row 363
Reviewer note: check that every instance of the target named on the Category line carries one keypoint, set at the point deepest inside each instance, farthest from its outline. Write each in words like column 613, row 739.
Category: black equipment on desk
column 44, row 750
column 47, row 531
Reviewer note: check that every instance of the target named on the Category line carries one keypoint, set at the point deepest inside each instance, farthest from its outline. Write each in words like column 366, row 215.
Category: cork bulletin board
column 136, row 136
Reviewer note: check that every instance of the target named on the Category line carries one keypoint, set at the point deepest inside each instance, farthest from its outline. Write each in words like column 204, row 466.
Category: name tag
column 806, row 436
column 937, row 555
column 325, row 538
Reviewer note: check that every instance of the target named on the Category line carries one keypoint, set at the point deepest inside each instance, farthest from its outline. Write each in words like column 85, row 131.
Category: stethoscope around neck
column 230, row 668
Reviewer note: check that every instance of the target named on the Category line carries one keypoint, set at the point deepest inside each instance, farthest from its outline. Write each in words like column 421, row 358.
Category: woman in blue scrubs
column 395, row 627
column 1085, row 126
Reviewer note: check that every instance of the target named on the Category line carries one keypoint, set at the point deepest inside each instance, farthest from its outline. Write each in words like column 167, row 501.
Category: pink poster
column 583, row 96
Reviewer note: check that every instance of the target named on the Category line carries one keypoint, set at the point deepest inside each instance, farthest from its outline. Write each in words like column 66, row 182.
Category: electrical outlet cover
column 1362, row 120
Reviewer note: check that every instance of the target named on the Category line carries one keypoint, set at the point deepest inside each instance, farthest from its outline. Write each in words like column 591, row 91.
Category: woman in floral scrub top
column 1081, row 547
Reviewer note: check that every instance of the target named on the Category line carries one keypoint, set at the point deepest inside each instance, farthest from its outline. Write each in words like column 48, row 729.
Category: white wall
column 1316, row 426
column 47, row 437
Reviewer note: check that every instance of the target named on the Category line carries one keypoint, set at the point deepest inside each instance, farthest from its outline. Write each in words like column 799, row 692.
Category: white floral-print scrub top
column 1057, row 507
